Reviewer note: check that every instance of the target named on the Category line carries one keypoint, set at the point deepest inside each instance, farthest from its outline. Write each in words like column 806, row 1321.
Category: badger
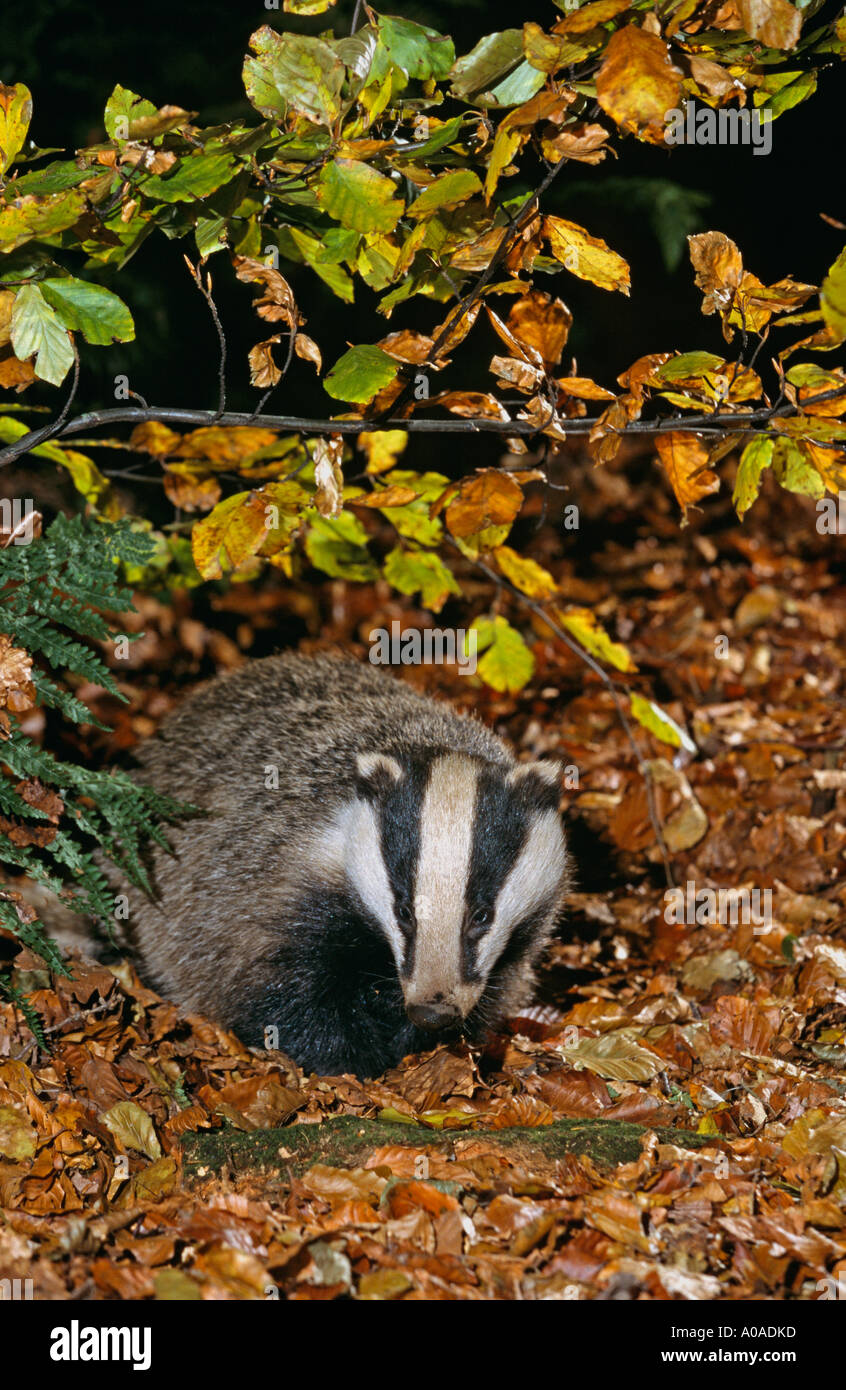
column 372, row 872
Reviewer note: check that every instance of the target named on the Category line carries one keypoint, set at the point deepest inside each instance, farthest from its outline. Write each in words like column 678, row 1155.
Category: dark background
column 71, row 54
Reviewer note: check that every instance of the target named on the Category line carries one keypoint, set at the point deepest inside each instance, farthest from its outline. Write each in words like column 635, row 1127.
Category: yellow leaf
column 583, row 626
column 588, row 257
column 247, row 524
column 86, row 476
column 527, row 576
column 154, row 438
column 637, row 84
column 584, row 18
column 659, row 723
column 583, row 388
column 133, row 1127
column 382, row 448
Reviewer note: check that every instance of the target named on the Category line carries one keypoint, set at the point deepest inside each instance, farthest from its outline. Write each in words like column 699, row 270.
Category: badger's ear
column 377, row 773
column 546, row 775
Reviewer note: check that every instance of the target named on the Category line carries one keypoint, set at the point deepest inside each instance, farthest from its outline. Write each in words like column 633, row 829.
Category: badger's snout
column 434, row 1017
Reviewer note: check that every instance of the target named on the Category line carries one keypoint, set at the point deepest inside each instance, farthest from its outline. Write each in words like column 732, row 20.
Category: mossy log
column 345, row 1141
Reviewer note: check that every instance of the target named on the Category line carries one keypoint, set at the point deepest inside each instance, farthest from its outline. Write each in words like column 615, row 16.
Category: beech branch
column 763, row 423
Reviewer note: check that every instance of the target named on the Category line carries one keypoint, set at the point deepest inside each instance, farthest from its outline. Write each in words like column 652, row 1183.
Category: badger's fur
column 373, row 869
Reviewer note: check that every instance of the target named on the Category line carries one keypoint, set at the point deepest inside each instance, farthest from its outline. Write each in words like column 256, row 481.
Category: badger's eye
column 479, row 921
column 403, row 913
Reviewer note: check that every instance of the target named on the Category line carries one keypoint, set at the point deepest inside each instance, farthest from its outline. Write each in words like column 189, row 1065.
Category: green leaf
column 659, row 723
column 125, row 112
column 37, row 329
column 338, row 546
column 495, row 72
column 781, row 91
column 307, row 6
column 689, row 364
column 757, row 456
column 412, row 571
column 54, row 178
column 492, row 58
column 195, row 177
column 448, row 191
column 33, row 216
column 794, row 471
column 293, row 71
column 360, row 374
column 833, row 297
column 419, row 52
column 507, row 663
column 519, row 86
column 359, row 197
column 15, row 116
column 89, row 309
column 310, row 249
column 441, row 136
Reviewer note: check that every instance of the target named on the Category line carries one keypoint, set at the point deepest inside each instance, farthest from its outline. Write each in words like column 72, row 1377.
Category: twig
column 509, row 236
column 206, row 292
column 82, row 1014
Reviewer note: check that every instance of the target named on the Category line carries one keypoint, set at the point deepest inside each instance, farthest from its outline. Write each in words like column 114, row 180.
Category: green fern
column 55, row 591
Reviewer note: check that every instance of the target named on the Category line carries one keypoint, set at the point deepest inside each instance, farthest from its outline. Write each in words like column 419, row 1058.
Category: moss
column 344, row 1141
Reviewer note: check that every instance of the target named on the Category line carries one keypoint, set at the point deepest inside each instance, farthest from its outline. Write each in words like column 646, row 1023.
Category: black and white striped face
column 462, row 864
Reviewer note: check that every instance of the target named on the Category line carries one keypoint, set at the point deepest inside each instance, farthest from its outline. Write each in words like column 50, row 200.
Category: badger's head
column 461, row 862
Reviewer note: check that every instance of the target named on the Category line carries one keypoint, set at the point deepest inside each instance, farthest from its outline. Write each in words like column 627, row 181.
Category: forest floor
column 122, row 1169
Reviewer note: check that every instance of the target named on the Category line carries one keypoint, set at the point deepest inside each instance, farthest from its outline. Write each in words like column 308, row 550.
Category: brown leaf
column 471, row 404
column 637, row 84
column 776, row 23
column 583, row 141
column 263, row 370
column 685, row 460
column 14, row 374
column 408, row 346
column 490, row 498
column 34, row 793
column 393, row 496
column 328, row 474
column 541, row 323
column 306, row 348
column 278, row 302
column 17, row 691
column 719, row 266
column 744, row 1024
column 191, row 490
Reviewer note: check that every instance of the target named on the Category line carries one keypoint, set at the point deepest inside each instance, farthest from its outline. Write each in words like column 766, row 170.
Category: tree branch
column 754, row 422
